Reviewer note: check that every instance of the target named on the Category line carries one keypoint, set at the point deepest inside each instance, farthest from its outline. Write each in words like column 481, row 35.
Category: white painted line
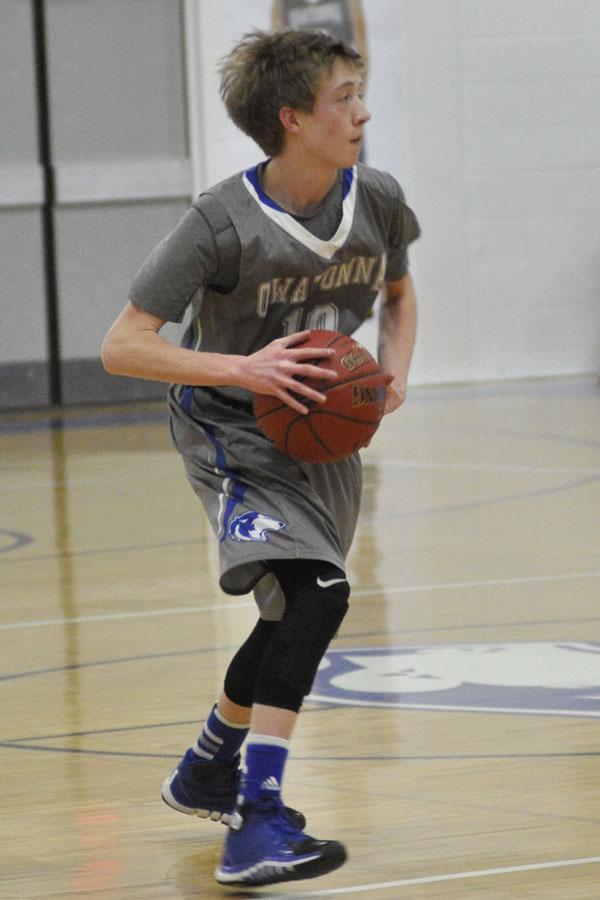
column 183, row 610
column 449, row 585
column 454, row 876
column 109, row 617
column 486, row 467
column 517, row 710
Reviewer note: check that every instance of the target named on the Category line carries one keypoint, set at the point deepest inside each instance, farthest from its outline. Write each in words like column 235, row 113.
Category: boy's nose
column 362, row 113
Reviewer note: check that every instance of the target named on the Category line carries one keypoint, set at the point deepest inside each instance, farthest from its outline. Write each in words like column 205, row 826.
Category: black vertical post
column 48, row 230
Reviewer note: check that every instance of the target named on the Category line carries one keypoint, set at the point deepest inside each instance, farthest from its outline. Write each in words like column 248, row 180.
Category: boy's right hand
column 278, row 368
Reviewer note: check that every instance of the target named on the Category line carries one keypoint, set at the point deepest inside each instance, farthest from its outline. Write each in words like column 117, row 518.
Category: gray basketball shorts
column 260, row 503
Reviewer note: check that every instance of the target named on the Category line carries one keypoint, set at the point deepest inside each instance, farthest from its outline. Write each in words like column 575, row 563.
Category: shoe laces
column 275, row 805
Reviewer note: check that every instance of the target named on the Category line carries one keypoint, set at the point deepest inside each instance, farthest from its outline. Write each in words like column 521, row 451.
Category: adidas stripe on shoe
column 209, row 789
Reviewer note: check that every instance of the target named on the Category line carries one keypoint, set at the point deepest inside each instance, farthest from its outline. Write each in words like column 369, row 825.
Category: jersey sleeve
column 404, row 229
column 203, row 250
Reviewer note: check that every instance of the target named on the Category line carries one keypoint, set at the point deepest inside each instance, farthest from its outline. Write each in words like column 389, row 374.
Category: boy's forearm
column 134, row 348
column 397, row 331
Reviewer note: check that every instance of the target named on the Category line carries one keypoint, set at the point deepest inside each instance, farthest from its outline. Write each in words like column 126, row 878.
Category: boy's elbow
column 109, row 354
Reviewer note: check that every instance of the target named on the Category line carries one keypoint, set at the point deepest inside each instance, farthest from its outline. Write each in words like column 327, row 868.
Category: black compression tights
column 276, row 665
column 243, row 668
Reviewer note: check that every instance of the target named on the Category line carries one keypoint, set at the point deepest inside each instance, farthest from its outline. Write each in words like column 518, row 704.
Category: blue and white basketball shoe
column 263, row 846
column 209, row 789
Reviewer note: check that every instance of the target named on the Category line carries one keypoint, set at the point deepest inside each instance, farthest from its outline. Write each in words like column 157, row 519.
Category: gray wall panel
column 23, row 332
column 23, row 351
column 102, row 248
column 123, row 176
column 17, row 84
column 116, row 76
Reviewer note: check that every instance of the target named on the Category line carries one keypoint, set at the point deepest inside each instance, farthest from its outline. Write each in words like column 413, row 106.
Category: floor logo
column 12, row 540
column 551, row 678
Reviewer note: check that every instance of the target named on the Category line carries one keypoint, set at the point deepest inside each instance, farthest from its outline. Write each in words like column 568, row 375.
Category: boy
column 304, row 240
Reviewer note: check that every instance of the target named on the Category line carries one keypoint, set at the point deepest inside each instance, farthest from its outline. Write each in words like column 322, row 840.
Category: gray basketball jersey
column 261, row 504
column 291, row 280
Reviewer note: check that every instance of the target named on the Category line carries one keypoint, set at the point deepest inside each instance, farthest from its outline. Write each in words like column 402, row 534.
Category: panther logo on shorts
column 253, row 526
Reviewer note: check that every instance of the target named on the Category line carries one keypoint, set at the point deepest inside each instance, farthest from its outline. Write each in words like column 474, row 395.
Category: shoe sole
column 214, row 815
column 270, row 871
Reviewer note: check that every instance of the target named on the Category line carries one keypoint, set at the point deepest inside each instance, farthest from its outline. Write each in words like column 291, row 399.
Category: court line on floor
column 343, row 636
column 142, row 412
column 453, row 876
column 31, row 743
column 408, row 514
column 229, row 605
column 451, row 585
column 48, row 482
column 483, row 467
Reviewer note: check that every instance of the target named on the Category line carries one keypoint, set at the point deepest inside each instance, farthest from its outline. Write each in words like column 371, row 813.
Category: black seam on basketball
column 351, row 377
column 318, row 438
column 288, row 428
column 338, row 337
column 345, row 418
column 270, row 412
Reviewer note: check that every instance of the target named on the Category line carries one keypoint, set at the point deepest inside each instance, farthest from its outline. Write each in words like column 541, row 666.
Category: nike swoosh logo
column 332, row 581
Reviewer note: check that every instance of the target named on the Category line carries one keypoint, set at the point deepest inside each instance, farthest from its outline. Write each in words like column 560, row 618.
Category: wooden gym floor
column 453, row 741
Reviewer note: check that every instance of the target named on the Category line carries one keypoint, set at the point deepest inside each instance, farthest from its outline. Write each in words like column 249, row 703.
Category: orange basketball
column 346, row 422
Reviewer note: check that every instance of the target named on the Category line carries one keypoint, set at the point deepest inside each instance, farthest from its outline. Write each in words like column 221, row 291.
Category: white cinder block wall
column 488, row 112
column 503, row 120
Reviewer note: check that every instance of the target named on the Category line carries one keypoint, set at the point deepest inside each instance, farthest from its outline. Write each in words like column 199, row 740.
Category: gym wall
column 121, row 178
column 485, row 110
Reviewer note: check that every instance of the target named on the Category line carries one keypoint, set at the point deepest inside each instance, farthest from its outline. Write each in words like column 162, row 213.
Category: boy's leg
column 206, row 781
column 262, row 846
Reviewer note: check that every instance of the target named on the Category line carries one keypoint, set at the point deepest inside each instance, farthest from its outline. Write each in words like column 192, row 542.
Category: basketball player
column 305, row 239
column 343, row 19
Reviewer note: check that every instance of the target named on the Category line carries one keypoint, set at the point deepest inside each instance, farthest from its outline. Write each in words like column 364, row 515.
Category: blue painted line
column 495, row 501
column 64, row 423
column 123, row 729
column 32, row 673
column 409, row 514
column 123, row 548
column 587, row 387
column 79, row 750
column 231, row 648
column 10, row 745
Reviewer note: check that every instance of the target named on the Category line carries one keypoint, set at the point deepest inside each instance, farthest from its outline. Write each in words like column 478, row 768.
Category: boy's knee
column 300, row 641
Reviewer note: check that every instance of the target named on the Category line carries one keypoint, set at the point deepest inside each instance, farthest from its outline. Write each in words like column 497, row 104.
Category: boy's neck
column 296, row 191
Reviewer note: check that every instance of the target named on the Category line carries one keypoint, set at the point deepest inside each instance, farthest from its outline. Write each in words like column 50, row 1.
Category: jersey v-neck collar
column 293, row 227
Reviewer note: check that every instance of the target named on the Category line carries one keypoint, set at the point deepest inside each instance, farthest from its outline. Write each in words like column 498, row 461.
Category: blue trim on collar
column 252, row 176
column 347, row 182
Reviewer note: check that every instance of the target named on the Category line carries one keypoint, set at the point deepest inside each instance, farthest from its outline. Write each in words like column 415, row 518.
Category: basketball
column 346, row 422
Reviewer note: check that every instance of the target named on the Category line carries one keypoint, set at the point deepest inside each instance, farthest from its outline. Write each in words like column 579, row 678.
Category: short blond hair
column 265, row 72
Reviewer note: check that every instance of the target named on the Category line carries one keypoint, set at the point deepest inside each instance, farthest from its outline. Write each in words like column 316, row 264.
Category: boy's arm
column 397, row 333
column 134, row 347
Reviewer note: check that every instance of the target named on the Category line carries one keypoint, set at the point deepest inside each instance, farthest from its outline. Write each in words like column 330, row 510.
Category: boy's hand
column 278, row 368
column 396, row 395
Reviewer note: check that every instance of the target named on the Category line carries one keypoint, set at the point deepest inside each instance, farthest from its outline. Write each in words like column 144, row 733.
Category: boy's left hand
column 396, row 395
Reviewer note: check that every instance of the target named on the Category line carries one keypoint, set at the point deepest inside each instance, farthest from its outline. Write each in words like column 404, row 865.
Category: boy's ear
column 289, row 119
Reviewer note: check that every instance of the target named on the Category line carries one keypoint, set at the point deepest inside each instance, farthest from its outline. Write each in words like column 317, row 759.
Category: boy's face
column 332, row 133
